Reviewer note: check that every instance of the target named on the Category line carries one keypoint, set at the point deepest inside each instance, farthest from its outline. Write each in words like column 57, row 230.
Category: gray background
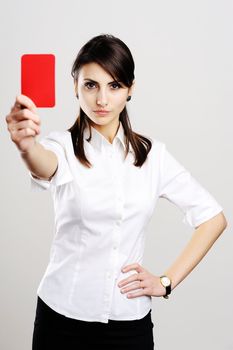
column 183, row 53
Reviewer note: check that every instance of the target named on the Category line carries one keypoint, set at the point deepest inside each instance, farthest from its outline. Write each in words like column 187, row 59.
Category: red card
column 38, row 78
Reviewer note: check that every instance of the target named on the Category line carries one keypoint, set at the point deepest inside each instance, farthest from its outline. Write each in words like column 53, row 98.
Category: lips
column 101, row 112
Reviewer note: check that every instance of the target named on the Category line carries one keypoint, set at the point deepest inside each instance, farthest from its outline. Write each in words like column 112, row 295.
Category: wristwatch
column 166, row 282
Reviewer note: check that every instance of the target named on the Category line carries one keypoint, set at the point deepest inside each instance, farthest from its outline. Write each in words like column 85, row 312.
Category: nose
column 101, row 98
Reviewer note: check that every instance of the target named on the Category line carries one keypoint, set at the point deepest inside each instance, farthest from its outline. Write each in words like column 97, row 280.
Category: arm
column 23, row 124
column 41, row 162
column 202, row 240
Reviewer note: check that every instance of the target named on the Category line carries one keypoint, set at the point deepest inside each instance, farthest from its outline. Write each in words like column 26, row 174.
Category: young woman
column 105, row 180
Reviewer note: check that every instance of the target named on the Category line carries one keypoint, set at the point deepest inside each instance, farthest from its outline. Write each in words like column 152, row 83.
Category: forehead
column 94, row 71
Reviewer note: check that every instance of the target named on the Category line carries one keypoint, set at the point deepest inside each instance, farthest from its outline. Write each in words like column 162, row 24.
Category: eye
column 88, row 85
column 118, row 86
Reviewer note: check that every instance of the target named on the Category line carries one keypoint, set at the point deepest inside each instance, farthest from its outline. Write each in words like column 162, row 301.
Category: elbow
column 222, row 221
column 218, row 222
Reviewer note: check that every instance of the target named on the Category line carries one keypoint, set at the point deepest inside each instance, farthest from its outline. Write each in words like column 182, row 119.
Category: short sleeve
column 55, row 141
column 179, row 187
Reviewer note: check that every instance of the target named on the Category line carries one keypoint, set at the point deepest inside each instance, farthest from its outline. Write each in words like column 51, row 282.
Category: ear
column 131, row 88
column 75, row 87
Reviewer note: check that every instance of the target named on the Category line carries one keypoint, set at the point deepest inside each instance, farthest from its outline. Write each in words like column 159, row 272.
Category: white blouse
column 101, row 214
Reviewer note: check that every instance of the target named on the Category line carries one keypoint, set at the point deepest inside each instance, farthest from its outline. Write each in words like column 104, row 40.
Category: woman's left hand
column 149, row 283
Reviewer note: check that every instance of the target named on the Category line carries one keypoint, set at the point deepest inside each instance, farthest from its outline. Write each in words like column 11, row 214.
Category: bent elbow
column 218, row 222
column 225, row 223
column 221, row 221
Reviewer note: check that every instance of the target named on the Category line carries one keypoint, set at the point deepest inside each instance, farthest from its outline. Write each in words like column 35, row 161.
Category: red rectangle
column 38, row 78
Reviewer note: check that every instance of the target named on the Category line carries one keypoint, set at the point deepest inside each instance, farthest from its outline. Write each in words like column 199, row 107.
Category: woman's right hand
column 23, row 123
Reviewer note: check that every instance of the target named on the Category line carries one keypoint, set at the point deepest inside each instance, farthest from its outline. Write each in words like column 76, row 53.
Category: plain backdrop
column 183, row 52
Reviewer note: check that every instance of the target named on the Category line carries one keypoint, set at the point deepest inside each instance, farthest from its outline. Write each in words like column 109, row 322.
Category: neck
column 108, row 131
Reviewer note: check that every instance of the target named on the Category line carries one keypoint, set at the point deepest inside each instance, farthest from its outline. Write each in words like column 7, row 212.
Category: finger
column 132, row 278
column 19, row 134
column 25, row 124
column 136, row 285
column 23, row 101
column 136, row 294
column 135, row 266
column 25, row 114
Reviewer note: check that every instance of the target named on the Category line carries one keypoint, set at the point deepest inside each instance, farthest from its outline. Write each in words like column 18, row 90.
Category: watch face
column 166, row 282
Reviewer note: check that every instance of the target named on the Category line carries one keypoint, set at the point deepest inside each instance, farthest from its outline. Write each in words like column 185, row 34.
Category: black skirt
column 55, row 331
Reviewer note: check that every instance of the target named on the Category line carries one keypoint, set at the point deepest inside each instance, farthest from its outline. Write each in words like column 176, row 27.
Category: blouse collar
column 99, row 141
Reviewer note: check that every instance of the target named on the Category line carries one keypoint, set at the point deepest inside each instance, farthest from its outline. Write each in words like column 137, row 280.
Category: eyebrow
column 93, row 81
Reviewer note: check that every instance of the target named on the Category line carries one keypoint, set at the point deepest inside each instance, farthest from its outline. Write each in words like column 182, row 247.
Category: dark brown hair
column 115, row 58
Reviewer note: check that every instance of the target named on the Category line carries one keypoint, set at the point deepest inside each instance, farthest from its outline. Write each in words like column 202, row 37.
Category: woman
column 105, row 180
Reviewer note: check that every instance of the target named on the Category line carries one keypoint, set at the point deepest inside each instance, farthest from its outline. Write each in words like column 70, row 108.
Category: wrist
column 166, row 283
column 30, row 150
